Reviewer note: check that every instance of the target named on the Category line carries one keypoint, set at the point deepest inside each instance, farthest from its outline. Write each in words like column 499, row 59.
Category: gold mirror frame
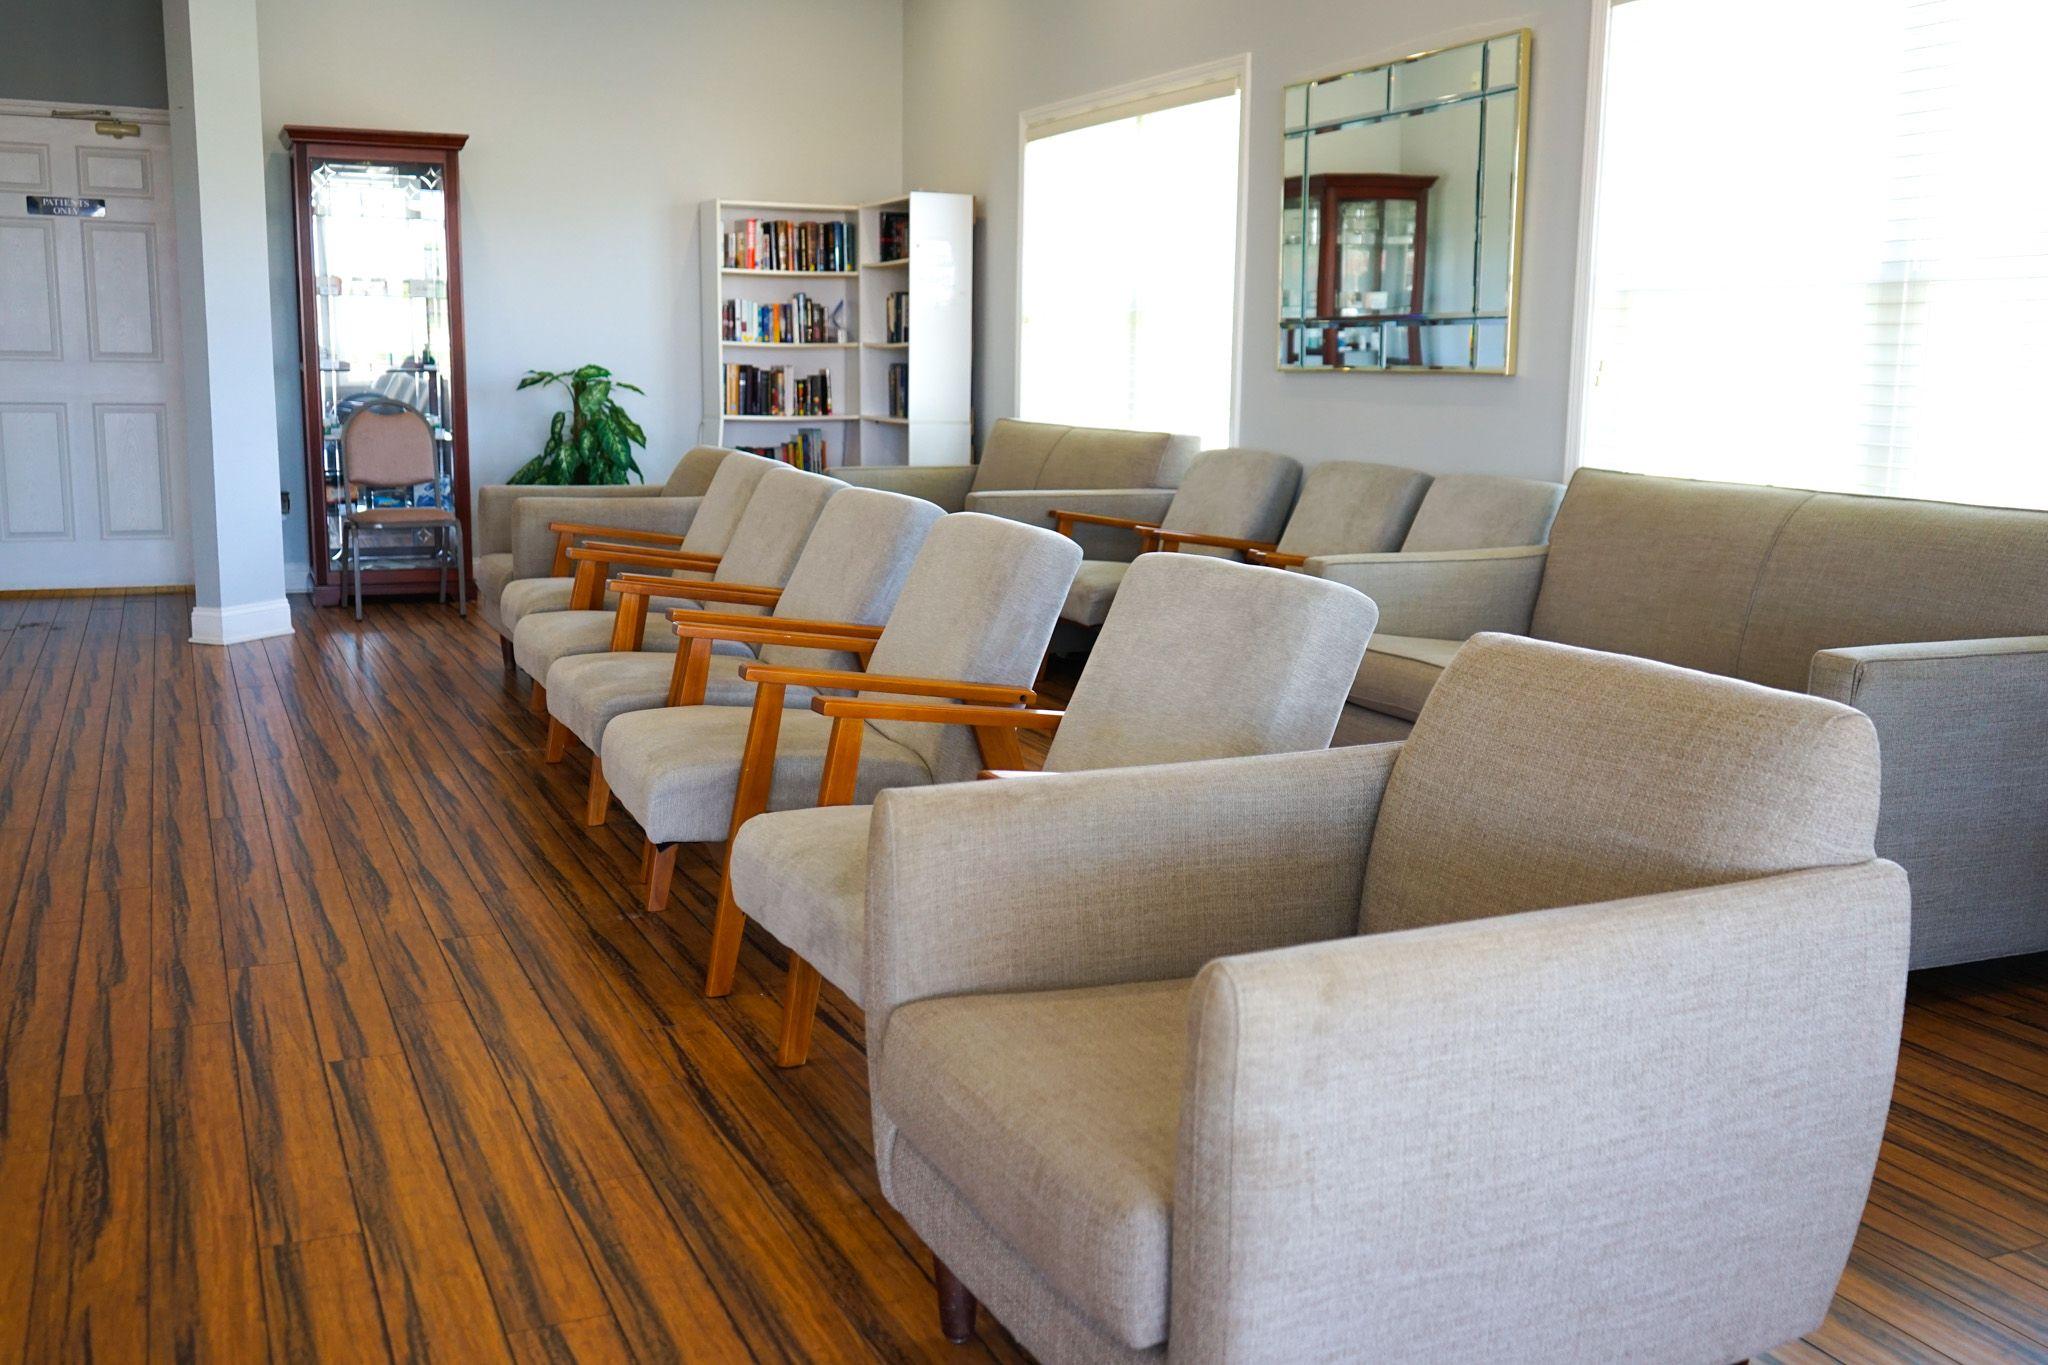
column 1518, row 177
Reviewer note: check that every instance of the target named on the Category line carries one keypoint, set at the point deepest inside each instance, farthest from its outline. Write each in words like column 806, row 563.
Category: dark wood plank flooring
column 327, row 1033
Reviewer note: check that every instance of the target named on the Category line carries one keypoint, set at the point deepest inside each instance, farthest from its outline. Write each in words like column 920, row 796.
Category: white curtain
column 1129, row 268
column 1821, row 252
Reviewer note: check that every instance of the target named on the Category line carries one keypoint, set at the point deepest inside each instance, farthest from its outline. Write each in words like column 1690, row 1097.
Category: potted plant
column 591, row 442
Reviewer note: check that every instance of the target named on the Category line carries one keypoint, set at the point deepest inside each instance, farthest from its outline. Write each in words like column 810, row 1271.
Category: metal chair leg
column 441, row 565
column 461, row 572
column 355, row 559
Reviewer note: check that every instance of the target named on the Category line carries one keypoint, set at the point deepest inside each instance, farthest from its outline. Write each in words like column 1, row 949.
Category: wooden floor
column 325, row 1033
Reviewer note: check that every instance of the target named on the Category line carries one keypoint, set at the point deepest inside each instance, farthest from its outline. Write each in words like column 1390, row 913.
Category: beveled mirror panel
column 1400, row 213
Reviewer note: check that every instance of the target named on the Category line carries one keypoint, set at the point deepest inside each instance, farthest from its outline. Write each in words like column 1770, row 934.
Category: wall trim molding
column 132, row 113
column 1598, row 15
column 232, row 625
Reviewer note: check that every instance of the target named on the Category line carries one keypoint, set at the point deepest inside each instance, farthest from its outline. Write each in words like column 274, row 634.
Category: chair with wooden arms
column 761, row 553
column 1236, row 496
column 970, row 627
column 388, row 444
column 1199, row 658
column 850, row 573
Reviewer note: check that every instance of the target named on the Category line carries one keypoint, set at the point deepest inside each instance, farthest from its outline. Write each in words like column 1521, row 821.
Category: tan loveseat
column 1932, row 618
column 1022, row 461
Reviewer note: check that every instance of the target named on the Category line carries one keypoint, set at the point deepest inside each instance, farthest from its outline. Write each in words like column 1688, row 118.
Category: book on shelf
column 806, row 450
column 786, row 244
column 899, row 390
column 894, row 225
column 802, row 319
column 776, row 391
column 896, row 318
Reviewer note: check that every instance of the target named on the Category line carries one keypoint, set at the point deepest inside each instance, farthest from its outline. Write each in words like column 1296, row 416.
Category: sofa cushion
column 1054, row 1116
column 1093, row 589
column 803, row 876
column 522, row 597
column 1243, row 494
column 1350, row 507
column 1483, row 511
column 1604, row 778
column 1046, row 455
column 544, row 639
column 1398, row 671
column 1661, row 568
column 587, row 692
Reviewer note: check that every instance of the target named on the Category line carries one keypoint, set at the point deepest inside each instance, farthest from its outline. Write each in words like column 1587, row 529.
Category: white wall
column 595, row 131
column 972, row 66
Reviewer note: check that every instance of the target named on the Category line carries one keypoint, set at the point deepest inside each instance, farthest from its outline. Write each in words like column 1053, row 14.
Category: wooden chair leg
column 658, row 876
column 726, row 932
column 538, row 702
column 597, row 802
column 799, row 1011
column 646, row 861
column 956, row 1305
column 505, row 649
column 558, row 741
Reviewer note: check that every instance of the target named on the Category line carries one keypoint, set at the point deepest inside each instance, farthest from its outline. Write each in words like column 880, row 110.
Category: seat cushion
column 541, row 639
column 401, row 516
column 493, row 572
column 586, row 692
column 1398, row 672
column 523, row 597
column 1054, row 1116
column 1093, row 589
column 675, row 769
column 803, row 876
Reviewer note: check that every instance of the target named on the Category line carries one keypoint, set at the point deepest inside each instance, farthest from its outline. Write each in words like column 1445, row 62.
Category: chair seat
column 1093, row 589
column 492, row 573
column 542, row 639
column 401, row 516
column 524, row 596
column 587, row 692
column 676, row 769
column 1399, row 671
column 1054, row 1116
column 803, row 876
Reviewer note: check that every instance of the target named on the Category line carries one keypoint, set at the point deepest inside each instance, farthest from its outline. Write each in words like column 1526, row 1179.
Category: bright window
column 1821, row 253
column 1130, row 269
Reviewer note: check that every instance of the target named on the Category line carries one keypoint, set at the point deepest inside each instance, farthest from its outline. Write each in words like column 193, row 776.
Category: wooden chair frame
column 1064, row 522
column 567, row 532
column 593, row 563
column 1173, row 540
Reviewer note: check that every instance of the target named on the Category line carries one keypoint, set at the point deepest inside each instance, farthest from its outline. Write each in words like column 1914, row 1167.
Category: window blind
column 1821, row 247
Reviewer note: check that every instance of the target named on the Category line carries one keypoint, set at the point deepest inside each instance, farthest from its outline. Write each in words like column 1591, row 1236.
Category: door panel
column 35, row 472
column 134, row 470
column 120, row 290
column 29, row 326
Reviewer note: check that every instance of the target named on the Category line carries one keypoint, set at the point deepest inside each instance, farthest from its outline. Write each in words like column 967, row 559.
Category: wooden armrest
column 577, row 528
column 1274, row 559
column 937, row 714
column 793, row 624
column 1170, row 539
column 605, row 552
column 1099, row 519
column 759, row 630
column 992, row 774
column 988, row 694
column 697, row 590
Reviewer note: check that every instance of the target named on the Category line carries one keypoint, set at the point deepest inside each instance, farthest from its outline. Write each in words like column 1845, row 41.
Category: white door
column 92, row 469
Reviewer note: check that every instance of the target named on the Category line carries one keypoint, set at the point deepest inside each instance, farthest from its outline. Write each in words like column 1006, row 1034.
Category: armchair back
column 852, row 568
column 1048, row 455
column 1482, row 512
column 1352, row 507
column 691, row 477
column 1245, row 494
column 774, row 529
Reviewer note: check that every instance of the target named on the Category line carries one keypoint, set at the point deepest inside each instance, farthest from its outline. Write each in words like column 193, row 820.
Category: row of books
column 895, row 233
column 801, row 319
column 805, row 450
column 899, row 390
column 783, row 244
column 775, row 391
column 896, row 316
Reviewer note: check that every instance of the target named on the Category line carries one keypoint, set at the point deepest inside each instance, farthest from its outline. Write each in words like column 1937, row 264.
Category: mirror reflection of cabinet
column 380, row 317
column 1362, row 244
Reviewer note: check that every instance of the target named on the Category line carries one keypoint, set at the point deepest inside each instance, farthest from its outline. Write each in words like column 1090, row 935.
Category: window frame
column 1126, row 101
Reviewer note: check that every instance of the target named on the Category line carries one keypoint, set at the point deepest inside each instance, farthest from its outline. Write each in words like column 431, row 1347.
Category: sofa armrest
column 533, row 544
column 944, row 484
column 1128, row 874
column 1443, row 594
column 1964, row 796
column 1439, row 1136
column 1035, row 507
column 496, row 504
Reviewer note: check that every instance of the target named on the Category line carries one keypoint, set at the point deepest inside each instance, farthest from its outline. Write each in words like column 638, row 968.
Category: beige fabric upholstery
column 706, row 524
column 1243, row 494
column 493, row 572
column 586, row 692
column 1477, row 511
column 1093, row 589
column 1352, row 507
column 389, row 448
column 1035, row 506
column 803, row 875
column 1397, row 672
column 1043, row 455
column 1443, row 594
column 543, row 639
column 496, row 503
column 1674, row 780
column 943, row 485
column 1369, row 1128
column 524, row 597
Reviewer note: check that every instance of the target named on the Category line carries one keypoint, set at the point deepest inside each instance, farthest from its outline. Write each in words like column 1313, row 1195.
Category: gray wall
column 972, row 66
column 595, row 133
column 83, row 52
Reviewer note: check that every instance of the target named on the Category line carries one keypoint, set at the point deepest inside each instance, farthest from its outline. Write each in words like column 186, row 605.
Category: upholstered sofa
column 1023, row 463
column 1932, row 618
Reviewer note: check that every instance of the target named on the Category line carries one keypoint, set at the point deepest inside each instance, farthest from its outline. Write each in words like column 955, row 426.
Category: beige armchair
column 1259, row 662
column 1348, row 1055
column 1022, row 456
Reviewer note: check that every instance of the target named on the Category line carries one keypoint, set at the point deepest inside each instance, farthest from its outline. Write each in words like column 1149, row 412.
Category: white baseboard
column 298, row 577
column 232, row 625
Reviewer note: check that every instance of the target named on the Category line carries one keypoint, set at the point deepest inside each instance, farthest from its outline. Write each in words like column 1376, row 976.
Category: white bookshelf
column 938, row 276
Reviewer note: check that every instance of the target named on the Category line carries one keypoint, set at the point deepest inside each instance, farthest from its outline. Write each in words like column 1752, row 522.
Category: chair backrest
column 1234, row 492
column 1752, row 581
column 691, row 477
column 773, row 530
column 852, row 568
column 725, row 501
column 1353, row 507
column 1483, row 512
column 1046, row 455
column 978, row 606
column 1203, row 658
column 1539, row 775
column 388, row 444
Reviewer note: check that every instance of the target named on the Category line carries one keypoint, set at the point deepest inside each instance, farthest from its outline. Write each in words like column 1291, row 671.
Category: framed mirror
column 1401, row 212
